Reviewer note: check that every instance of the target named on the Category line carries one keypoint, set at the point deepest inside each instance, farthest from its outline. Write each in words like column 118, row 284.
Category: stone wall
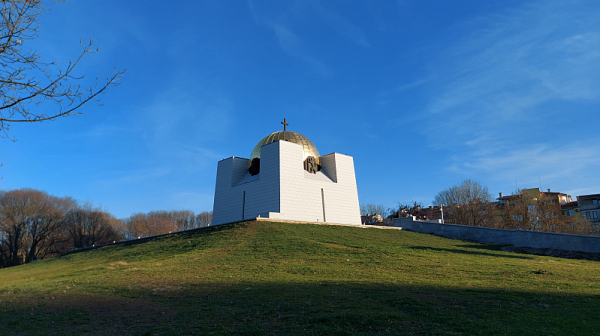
column 518, row 238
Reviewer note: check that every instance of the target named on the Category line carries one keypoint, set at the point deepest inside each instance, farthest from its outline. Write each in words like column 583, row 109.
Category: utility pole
column 442, row 209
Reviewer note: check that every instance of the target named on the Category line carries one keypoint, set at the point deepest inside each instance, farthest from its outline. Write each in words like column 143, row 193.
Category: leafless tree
column 468, row 203
column 155, row 223
column 87, row 226
column 538, row 212
column 29, row 222
column 183, row 219
column 372, row 209
column 27, row 82
column 204, row 219
column 159, row 222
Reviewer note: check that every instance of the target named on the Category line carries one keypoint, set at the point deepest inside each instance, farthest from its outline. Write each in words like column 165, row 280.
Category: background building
column 589, row 207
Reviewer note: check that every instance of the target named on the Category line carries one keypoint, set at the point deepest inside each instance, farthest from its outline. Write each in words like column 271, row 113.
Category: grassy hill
column 273, row 278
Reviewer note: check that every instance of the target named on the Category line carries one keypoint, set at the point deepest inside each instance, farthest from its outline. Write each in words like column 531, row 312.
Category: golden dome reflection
column 309, row 148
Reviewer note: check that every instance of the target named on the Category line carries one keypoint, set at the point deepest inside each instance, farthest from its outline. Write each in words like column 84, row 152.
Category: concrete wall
column 284, row 190
column 240, row 196
column 519, row 238
column 318, row 197
column 341, row 200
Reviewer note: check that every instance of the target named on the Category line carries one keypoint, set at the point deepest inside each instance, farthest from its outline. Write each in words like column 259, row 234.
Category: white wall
column 301, row 195
column 261, row 194
column 284, row 190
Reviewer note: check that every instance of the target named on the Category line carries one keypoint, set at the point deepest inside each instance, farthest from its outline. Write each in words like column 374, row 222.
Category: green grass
column 260, row 278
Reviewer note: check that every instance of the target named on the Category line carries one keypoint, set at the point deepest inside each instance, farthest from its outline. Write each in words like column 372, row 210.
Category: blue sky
column 423, row 94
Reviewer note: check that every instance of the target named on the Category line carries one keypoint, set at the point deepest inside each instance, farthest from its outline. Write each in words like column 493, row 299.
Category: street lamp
column 442, row 209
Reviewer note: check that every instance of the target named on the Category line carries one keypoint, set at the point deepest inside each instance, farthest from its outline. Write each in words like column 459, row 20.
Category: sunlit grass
column 274, row 278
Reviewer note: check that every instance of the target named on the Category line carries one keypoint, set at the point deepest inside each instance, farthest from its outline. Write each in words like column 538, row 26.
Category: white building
column 290, row 182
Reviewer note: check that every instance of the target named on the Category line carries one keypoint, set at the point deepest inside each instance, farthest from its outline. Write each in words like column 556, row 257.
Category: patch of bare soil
column 553, row 253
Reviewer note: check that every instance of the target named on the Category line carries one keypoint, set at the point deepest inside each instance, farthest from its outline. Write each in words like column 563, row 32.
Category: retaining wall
column 518, row 238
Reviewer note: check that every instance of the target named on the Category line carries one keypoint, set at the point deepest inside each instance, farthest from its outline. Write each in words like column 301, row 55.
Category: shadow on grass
column 305, row 309
column 483, row 246
column 470, row 252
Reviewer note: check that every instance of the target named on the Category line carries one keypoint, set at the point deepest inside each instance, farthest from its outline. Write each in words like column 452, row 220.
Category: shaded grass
column 274, row 278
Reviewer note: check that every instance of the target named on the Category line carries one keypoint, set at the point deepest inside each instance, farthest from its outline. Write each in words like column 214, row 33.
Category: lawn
column 266, row 278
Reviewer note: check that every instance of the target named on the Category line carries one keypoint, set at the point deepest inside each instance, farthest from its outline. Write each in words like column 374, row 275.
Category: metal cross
column 284, row 124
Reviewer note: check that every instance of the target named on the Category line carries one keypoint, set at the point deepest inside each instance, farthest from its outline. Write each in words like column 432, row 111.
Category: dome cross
column 284, row 124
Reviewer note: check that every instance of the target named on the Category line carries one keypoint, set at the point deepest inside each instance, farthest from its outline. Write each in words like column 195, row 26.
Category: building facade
column 286, row 179
column 536, row 209
column 589, row 206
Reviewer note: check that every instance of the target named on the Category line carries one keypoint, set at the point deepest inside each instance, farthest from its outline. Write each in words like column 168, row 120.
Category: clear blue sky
column 423, row 94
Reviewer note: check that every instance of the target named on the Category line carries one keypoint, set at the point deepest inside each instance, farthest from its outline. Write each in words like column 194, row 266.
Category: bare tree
column 468, row 203
column 30, row 221
column 539, row 212
column 183, row 219
column 88, row 226
column 372, row 209
column 514, row 212
column 26, row 81
column 417, row 209
column 159, row 222
column 204, row 219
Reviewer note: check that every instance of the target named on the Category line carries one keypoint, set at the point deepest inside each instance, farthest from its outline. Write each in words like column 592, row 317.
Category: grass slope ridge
column 274, row 278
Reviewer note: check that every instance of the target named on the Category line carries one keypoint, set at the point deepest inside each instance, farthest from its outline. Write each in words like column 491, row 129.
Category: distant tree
column 135, row 225
column 87, row 226
column 184, row 219
column 151, row 224
column 539, row 212
column 371, row 209
column 159, row 222
column 30, row 223
column 376, row 213
column 204, row 219
column 404, row 209
column 26, row 81
column 577, row 226
column 516, row 212
column 468, row 203
column 416, row 209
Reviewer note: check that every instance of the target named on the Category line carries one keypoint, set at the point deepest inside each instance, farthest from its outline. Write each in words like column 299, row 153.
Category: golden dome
column 307, row 145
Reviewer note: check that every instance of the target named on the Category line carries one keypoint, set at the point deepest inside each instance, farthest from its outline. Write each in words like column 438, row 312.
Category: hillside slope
column 274, row 278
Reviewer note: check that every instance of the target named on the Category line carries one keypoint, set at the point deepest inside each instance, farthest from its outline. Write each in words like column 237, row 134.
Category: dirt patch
column 117, row 264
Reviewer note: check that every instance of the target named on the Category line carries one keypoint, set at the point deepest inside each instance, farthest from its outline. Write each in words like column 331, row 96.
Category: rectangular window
column 591, row 215
column 570, row 213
